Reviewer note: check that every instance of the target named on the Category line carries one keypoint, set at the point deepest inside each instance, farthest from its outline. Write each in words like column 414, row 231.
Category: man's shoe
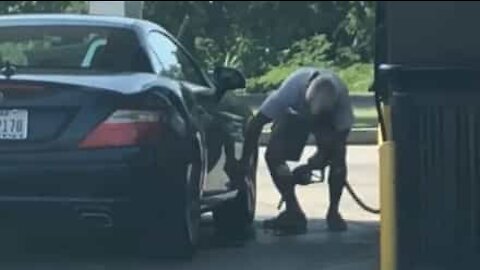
column 335, row 222
column 287, row 222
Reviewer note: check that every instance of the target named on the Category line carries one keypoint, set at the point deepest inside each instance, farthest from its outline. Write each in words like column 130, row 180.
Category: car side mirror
column 228, row 79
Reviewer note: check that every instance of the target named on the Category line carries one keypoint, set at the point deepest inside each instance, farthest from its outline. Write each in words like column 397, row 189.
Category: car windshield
column 72, row 47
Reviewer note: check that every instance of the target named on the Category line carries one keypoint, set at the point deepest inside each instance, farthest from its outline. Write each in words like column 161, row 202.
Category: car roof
column 71, row 19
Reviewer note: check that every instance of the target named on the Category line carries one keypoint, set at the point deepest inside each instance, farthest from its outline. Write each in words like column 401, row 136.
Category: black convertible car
column 109, row 123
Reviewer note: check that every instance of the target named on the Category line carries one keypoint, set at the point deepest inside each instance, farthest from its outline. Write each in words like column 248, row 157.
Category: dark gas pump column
column 428, row 68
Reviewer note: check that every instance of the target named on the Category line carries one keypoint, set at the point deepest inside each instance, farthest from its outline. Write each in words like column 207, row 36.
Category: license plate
column 13, row 124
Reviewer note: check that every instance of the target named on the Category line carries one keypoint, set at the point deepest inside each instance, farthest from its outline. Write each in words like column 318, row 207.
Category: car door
column 219, row 127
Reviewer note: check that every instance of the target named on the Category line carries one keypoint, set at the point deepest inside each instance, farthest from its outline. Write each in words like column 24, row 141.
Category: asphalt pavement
column 256, row 249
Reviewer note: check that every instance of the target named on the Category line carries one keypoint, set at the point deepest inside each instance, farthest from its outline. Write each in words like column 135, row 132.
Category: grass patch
column 358, row 78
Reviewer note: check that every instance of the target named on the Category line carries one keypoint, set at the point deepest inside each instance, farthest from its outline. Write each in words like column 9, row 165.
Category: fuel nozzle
column 303, row 175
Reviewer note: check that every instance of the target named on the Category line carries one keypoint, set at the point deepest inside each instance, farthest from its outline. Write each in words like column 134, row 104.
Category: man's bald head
column 321, row 95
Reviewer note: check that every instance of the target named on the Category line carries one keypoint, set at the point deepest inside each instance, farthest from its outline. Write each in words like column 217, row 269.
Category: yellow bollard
column 388, row 231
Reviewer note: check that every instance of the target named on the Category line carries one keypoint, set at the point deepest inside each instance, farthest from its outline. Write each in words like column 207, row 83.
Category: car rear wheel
column 237, row 215
column 176, row 234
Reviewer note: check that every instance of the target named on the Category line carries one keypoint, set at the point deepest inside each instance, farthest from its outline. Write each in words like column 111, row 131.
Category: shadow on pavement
column 254, row 249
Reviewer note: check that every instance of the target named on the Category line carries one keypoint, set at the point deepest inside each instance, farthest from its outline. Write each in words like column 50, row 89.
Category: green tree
column 15, row 7
column 355, row 32
column 258, row 37
column 171, row 14
column 269, row 39
column 253, row 33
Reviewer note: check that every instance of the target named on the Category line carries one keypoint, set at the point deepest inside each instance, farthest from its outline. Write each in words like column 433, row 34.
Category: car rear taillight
column 125, row 128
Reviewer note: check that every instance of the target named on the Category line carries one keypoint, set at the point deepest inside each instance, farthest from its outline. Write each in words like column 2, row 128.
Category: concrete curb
column 254, row 100
column 361, row 136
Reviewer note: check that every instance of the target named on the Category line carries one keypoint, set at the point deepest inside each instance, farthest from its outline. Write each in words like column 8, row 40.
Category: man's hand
column 237, row 171
column 302, row 175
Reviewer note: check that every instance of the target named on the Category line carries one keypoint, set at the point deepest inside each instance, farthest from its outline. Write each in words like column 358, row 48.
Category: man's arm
column 252, row 134
column 326, row 142
column 272, row 108
column 237, row 170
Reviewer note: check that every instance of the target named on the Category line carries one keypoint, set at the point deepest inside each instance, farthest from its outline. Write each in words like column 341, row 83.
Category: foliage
column 309, row 51
column 358, row 77
column 265, row 39
column 359, row 27
column 242, row 54
column 14, row 7
column 312, row 51
column 257, row 36
column 80, row 7
column 271, row 80
column 316, row 51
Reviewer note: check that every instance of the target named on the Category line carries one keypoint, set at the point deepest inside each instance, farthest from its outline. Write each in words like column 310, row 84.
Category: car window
column 73, row 47
column 173, row 62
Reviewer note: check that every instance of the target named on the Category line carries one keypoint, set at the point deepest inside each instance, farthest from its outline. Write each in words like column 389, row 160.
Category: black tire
column 176, row 234
column 237, row 215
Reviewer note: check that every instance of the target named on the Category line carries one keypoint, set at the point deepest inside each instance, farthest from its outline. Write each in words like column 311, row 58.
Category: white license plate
column 13, row 124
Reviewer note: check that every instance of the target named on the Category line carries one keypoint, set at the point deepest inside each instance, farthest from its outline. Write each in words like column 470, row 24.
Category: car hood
column 128, row 83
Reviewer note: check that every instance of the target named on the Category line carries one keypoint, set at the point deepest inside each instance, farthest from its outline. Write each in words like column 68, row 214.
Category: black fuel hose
column 352, row 193
column 359, row 201
column 381, row 120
